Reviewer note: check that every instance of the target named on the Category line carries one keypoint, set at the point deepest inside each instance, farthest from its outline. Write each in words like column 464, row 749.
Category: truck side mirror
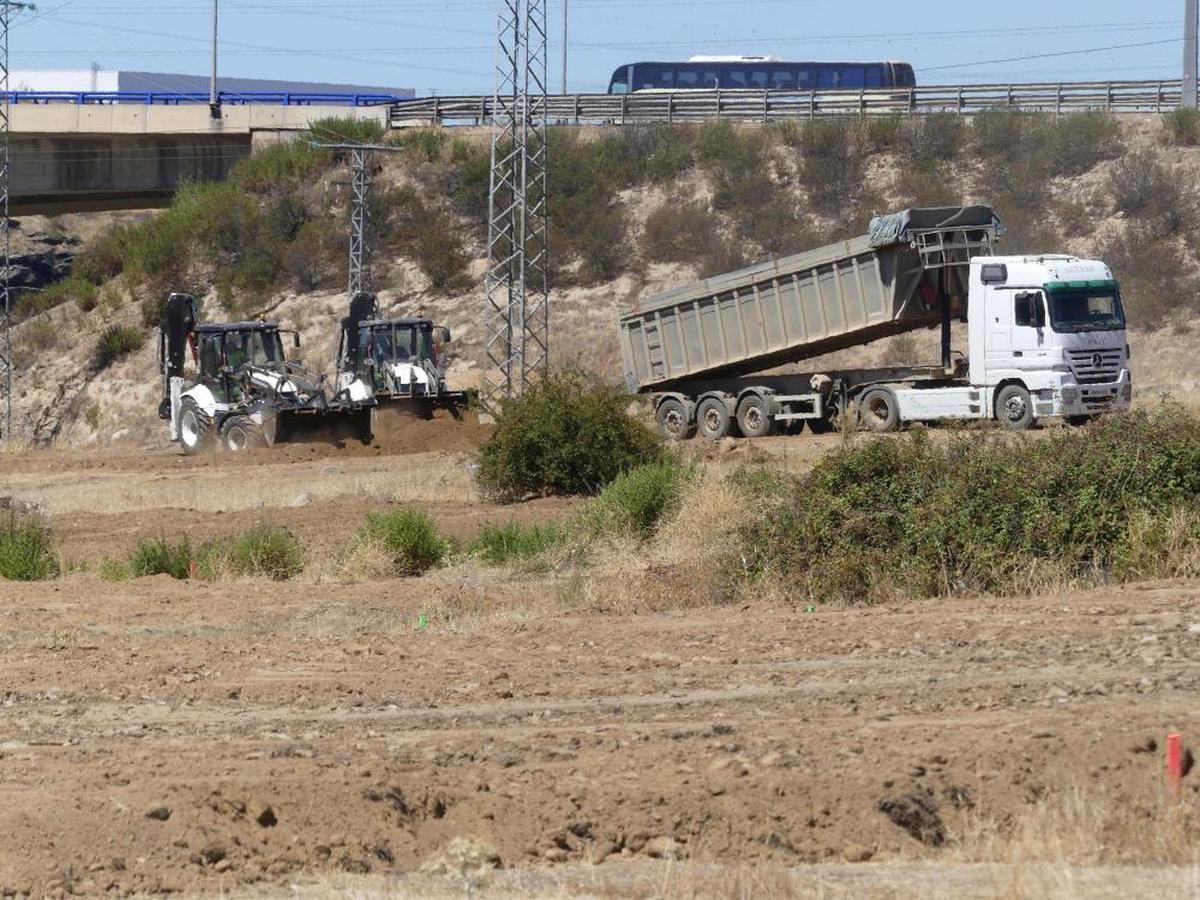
column 296, row 340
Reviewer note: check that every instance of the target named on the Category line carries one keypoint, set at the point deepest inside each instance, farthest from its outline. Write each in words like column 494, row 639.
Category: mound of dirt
column 401, row 429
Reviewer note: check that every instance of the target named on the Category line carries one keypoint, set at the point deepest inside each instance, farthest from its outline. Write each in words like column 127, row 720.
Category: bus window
column 783, row 80
column 736, row 78
column 759, row 79
column 804, row 78
column 620, row 81
column 905, row 77
column 688, row 79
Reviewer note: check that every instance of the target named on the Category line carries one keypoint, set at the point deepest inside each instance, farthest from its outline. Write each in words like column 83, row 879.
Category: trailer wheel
column 754, row 417
column 879, row 411
column 820, row 426
column 673, row 421
column 195, row 427
column 1014, row 408
column 241, row 433
column 713, row 419
column 1078, row 421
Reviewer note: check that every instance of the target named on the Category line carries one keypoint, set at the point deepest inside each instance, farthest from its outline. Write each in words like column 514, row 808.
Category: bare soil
column 331, row 737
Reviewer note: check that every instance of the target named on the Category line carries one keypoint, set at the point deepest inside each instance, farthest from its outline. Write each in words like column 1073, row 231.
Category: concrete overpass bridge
column 79, row 153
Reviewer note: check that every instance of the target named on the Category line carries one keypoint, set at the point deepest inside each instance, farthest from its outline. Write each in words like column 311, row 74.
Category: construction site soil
column 482, row 731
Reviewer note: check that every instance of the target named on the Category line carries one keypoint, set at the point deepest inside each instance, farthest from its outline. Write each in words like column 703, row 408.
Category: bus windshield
column 1078, row 310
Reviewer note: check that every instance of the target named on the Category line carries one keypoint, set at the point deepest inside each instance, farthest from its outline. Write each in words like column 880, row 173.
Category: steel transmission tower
column 516, row 312
column 360, row 220
column 7, row 8
column 1189, row 54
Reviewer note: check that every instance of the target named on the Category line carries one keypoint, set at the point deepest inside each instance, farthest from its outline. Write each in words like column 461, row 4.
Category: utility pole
column 214, row 97
column 566, row 4
column 516, row 310
column 1189, row 54
column 7, row 8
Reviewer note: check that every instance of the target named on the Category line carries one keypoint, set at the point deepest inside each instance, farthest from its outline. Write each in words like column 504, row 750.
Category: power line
column 988, row 62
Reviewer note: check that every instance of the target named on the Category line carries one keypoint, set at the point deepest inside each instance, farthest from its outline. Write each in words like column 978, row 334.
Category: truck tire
column 1078, row 421
column 195, row 428
column 713, row 419
column 673, row 421
column 820, row 426
column 1014, row 408
column 241, row 433
column 754, row 417
column 879, row 411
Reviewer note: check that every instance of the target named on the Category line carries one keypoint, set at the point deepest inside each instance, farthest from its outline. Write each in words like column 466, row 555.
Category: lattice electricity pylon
column 516, row 311
column 360, row 221
column 7, row 8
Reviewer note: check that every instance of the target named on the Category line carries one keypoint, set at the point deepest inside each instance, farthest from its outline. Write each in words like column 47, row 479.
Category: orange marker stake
column 1175, row 764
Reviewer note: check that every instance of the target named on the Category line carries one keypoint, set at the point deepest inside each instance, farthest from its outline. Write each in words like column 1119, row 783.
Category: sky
column 447, row 47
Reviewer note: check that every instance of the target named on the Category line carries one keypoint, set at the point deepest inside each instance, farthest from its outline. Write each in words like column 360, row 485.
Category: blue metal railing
column 229, row 98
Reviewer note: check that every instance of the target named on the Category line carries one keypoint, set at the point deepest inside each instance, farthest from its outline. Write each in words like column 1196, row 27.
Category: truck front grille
column 1095, row 366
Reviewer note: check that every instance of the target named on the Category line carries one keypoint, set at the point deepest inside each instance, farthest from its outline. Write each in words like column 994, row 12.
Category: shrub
column 916, row 517
column 410, row 537
column 1181, row 128
column 26, row 553
column 117, row 341
column 287, row 162
column 1076, row 143
column 421, row 145
column 1153, row 271
column 84, row 294
column 831, row 166
column 40, row 335
column 925, row 142
column 1141, row 186
column 341, row 130
column 637, row 500
column 569, row 434
column 724, row 255
column 162, row 557
column 679, row 232
column 500, row 545
column 273, row 553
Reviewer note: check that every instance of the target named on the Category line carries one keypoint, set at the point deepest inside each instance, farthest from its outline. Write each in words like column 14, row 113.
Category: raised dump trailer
column 695, row 348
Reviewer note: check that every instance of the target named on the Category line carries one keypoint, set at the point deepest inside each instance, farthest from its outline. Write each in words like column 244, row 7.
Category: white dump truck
column 1046, row 335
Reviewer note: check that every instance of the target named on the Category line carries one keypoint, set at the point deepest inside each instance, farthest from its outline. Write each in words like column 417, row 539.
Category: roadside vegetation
column 26, row 552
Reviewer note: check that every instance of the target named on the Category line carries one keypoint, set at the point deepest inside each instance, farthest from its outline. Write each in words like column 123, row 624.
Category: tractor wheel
column 242, row 433
column 195, row 428
column 673, row 421
column 713, row 419
column 754, row 417
column 1014, row 408
column 878, row 410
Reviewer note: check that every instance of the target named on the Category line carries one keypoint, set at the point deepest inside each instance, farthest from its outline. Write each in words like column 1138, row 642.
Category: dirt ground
column 479, row 731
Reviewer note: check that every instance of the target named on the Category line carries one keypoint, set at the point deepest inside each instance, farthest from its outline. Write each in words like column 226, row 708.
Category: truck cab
column 1050, row 330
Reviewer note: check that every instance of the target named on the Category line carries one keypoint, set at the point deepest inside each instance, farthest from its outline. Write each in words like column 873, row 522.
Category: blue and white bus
column 759, row 73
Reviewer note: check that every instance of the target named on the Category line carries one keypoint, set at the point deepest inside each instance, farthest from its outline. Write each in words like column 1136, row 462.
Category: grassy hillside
column 632, row 210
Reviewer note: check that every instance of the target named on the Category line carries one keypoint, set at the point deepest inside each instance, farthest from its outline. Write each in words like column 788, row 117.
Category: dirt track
column 146, row 727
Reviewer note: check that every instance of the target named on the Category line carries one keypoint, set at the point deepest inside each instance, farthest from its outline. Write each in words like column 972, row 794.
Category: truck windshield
column 1086, row 310
column 255, row 348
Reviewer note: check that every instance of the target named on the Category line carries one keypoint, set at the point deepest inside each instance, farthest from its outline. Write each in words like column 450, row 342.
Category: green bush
column 288, row 162
column 679, row 233
column 162, row 557
column 1076, row 143
column 39, row 335
column 340, row 130
column 926, row 142
column 1156, row 283
column 26, row 553
column 273, row 553
column 117, row 341
column 915, row 517
column 1142, row 187
column 569, row 434
column 636, row 501
column 500, row 545
column 1181, row 128
column 80, row 291
column 410, row 537
column 832, row 165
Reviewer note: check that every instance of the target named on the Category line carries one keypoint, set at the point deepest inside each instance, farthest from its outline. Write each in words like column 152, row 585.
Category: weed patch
column 26, row 553
column 162, row 557
column 409, row 537
column 500, row 545
column 638, row 500
column 569, row 434
column 117, row 341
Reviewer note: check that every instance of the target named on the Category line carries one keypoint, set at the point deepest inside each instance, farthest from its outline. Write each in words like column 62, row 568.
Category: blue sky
column 446, row 47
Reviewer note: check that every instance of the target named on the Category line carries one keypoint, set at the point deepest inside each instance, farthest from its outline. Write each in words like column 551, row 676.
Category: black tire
column 712, row 419
column 1014, row 408
column 878, row 410
column 754, row 417
column 820, row 426
column 195, row 428
column 672, row 419
column 1077, row 421
column 240, row 433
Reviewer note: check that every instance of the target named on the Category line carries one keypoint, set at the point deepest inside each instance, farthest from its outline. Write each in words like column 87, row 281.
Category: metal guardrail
column 229, row 98
column 769, row 106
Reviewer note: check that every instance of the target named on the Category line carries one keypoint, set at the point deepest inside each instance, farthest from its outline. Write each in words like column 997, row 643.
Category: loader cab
column 224, row 350
column 379, row 343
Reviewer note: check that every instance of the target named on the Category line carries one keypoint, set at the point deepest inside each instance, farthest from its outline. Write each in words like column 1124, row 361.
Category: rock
column 159, row 813
column 212, row 854
column 223, row 865
column 1146, row 745
column 262, row 813
column 464, row 854
column 602, row 851
column 663, row 847
column 856, row 853
column 1194, row 628
column 555, row 854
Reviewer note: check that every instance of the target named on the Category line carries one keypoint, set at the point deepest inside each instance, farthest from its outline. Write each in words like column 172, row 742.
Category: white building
column 112, row 81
